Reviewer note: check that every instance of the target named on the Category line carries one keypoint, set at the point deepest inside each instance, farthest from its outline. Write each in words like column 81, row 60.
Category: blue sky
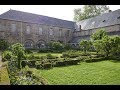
column 58, row 11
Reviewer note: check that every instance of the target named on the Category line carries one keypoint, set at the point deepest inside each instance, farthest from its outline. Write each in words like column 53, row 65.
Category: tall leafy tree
column 85, row 45
column 89, row 11
column 18, row 50
column 99, row 34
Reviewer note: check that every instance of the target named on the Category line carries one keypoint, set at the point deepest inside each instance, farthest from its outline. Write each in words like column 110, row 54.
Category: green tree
column 3, row 44
column 85, row 45
column 89, row 11
column 97, row 45
column 99, row 34
column 18, row 50
column 56, row 46
column 115, row 50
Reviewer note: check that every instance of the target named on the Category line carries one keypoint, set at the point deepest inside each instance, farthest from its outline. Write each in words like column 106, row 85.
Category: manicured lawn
column 97, row 73
column 44, row 54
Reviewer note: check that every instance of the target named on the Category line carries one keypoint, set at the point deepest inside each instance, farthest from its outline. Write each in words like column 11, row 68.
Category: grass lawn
column 97, row 73
column 44, row 54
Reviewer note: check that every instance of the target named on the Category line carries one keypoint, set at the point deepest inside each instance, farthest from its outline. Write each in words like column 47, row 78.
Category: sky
column 65, row 12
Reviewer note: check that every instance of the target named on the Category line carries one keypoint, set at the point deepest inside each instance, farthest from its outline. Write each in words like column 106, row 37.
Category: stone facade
column 34, row 38
column 35, row 31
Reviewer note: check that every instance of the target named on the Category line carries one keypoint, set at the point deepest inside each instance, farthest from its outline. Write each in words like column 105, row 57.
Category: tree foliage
column 99, row 34
column 57, row 46
column 3, row 44
column 85, row 45
column 89, row 11
column 18, row 50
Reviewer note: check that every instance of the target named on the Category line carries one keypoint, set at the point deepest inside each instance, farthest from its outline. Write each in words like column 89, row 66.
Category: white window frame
column 60, row 31
column 28, row 29
column 13, row 27
column 40, row 31
column 0, row 26
column 51, row 31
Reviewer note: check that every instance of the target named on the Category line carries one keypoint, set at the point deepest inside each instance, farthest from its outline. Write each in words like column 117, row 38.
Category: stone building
column 36, row 31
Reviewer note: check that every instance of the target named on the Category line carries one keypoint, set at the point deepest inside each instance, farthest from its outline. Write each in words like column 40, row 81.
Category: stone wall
column 20, row 35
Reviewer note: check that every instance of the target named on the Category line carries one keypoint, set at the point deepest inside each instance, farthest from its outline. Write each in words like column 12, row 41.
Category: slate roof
column 102, row 20
column 34, row 18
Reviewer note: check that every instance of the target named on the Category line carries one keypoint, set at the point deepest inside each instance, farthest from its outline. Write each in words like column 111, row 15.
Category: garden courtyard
column 94, row 62
column 96, row 73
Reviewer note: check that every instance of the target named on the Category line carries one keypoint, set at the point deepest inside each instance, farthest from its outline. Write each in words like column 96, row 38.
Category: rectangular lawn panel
column 97, row 73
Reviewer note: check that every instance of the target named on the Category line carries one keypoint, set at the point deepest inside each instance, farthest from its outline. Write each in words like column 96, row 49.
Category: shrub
column 28, row 51
column 38, row 64
column 71, row 54
column 29, row 63
column 43, row 57
column 3, row 44
column 31, row 56
column 47, row 65
column 71, row 62
column 65, row 55
column 43, row 50
column 56, row 46
column 95, row 59
column 60, row 63
column 7, row 55
column 49, row 56
column 19, row 51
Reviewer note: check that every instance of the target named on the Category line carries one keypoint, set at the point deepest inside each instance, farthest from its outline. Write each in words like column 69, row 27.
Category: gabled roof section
column 102, row 20
column 34, row 18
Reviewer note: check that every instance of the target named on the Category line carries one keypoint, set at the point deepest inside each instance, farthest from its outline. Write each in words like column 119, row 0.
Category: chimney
column 110, row 11
column 80, row 27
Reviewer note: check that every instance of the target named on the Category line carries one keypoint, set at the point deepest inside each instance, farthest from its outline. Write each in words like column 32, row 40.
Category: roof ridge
column 100, row 15
column 40, row 15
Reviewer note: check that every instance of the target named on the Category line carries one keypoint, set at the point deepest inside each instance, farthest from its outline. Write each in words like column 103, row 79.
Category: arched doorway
column 28, row 44
column 41, row 44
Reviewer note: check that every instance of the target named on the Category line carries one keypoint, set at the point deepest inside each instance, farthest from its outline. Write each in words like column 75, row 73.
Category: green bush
column 6, row 55
column 43, row 50
column 71, row 54
column 60, row 63
column 3, row 44
column 47, row 65
column 95, row 59
column 50, row 56
column 28, row 51
column 72, row 62
column 29, row 63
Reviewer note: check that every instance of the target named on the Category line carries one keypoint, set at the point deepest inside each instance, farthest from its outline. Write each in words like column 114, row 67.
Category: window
column 40, row 31
column 51, row 31
column 118, row 17
column 28, row 44
column 68, row 33
column 0, row 26
column 60, row 30
column 28, row 30
column 13, row 27
column 104, row 20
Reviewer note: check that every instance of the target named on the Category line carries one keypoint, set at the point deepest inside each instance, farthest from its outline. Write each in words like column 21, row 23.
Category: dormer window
column 118, row 17
column 93, row 22
column 104, row 20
